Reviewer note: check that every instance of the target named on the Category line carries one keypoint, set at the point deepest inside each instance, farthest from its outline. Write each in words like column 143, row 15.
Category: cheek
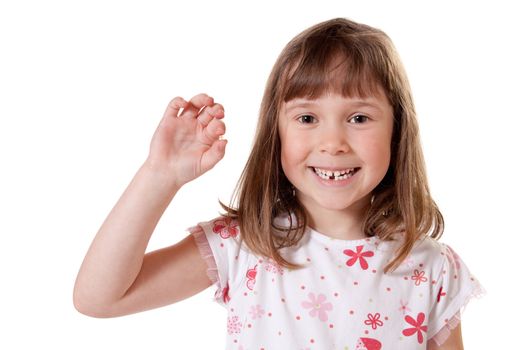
column 285, row 151
column 292, row 149
column 377, row 153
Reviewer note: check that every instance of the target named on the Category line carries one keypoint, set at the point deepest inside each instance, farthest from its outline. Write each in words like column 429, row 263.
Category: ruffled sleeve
column 455, row 287
column 219, row 247
column 206, row 253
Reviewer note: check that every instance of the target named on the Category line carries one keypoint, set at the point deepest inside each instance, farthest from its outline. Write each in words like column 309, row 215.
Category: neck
column 345, row 224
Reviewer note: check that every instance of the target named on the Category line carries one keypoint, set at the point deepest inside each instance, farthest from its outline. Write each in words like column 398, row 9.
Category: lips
column 337, row 175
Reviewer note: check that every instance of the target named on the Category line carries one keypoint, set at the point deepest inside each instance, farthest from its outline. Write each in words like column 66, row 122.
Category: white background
column 83, row 86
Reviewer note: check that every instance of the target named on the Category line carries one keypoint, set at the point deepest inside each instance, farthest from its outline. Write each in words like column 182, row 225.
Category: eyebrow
column 293, row 105
column 308, row 103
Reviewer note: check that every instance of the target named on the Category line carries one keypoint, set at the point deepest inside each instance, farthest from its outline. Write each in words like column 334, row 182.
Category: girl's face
column 335, row 150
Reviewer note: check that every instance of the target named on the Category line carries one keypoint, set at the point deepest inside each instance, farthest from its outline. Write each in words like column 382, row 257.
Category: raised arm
column 117, row 277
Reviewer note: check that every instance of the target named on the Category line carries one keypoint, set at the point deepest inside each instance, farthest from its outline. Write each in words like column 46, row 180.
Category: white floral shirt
column 342, row 299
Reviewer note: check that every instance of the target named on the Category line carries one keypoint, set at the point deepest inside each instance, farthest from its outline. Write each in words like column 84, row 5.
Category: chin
column 333, row 204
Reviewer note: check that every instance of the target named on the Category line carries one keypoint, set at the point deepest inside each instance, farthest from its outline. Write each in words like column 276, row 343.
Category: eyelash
column 300, row 118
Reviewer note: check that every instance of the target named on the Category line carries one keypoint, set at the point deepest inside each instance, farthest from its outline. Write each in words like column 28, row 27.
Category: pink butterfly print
column 418, row 327
column 251, row 274
column 359, row 255
column 368, row 344
column 404, row 307
column 226, row 227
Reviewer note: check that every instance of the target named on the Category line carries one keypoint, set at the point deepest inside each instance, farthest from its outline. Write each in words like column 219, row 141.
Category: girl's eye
column 359, row 119
column 306, row 119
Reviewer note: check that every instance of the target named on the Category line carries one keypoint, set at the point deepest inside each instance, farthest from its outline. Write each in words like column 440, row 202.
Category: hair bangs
column 331, row 70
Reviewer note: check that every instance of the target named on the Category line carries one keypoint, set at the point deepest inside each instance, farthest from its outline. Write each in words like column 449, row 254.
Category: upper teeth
column 335, row 174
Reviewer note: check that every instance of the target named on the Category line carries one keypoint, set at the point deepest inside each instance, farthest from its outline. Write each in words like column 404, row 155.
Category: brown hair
column 352, row 59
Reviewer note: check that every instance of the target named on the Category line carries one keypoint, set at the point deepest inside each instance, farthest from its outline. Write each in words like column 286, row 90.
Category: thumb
column 213, row 154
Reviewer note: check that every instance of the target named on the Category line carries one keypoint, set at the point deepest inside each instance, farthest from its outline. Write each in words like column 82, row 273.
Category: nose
column 334, row 141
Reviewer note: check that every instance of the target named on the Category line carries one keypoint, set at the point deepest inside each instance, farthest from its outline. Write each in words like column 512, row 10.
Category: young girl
column 330, row 242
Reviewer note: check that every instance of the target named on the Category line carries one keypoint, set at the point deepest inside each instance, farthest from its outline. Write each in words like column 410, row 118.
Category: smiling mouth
column 336, row 175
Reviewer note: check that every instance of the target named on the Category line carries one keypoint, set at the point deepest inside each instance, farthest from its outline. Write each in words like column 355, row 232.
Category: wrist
column 161, row 174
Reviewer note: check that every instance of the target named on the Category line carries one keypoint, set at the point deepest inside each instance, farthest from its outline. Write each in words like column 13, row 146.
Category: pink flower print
column 368, row 344
column 251, row 274
column 226, row 227
column 318, row 306
column 374, row 320
column 418, row 327
column 404, row 308
column 234, row 326
column 256, row 311
column 359, row 255
column 273, row 267
column 419, row 277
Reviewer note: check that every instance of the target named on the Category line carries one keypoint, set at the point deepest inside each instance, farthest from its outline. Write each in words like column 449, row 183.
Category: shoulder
column 427, row 256
column 223, row 227
column 431, row 250
column 222, row 232
column 444, row 265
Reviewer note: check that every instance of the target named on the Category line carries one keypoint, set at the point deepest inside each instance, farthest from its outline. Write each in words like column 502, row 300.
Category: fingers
column 196, row 104
column 201, row 106
column 208, row 113
column 213, row 155
column 175, row 106
column 215, row 129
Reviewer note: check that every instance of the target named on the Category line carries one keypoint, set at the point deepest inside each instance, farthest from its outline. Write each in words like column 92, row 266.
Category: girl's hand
column 187, row 144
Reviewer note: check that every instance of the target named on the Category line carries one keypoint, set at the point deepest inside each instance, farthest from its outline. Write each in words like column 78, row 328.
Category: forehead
column 377, row 101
